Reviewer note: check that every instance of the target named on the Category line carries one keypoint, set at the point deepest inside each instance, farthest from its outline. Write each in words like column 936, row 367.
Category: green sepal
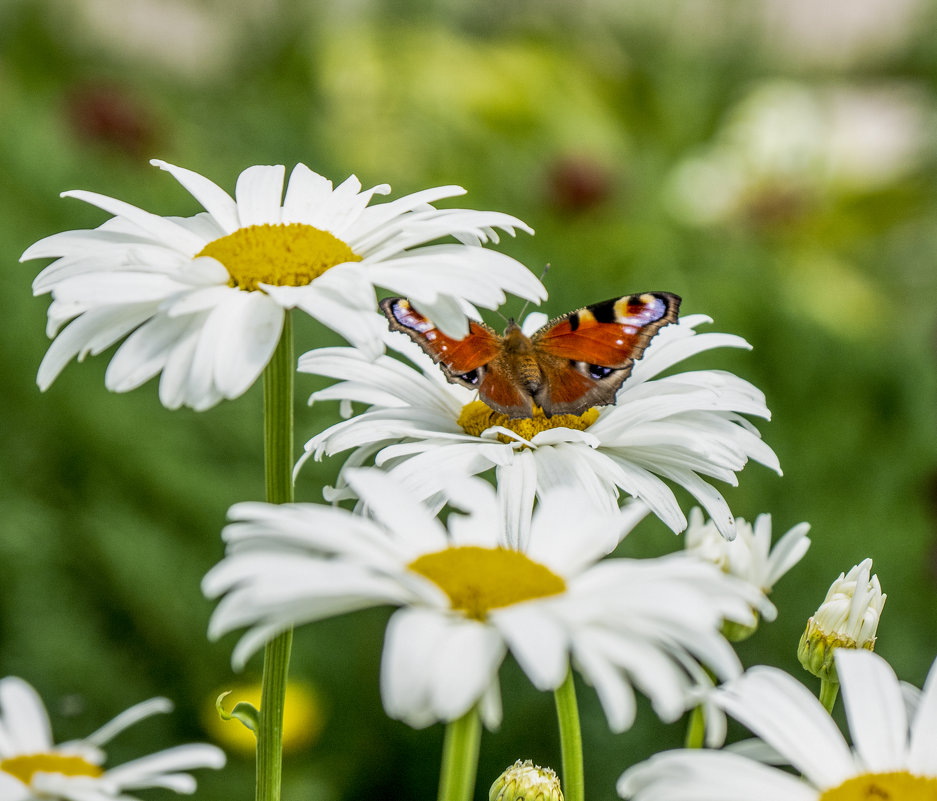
column 243, row 711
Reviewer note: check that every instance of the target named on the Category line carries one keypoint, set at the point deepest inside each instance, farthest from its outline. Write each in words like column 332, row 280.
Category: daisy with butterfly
column 549, row 404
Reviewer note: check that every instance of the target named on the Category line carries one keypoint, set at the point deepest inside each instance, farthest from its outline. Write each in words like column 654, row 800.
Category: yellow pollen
column 282, row 255
column 477, row 416
column 25, row 766
column 480, row 579
column 899, row 786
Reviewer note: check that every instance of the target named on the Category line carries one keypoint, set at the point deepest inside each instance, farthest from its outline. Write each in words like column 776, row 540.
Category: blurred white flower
column 892, row 756
column 749, row 556
column 203, row 298
column 683, row 428
column 837, row 33
column 33, row 767
column 468, row 594
column 847, row 619
column 787, row 143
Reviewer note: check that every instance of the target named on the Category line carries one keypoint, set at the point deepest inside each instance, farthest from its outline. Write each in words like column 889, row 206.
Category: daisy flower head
column 848, row 618
column 748, row 557
column 201, row 300
column 33, row 767
column 893, row 755
column 467, row 594
column 683, row 429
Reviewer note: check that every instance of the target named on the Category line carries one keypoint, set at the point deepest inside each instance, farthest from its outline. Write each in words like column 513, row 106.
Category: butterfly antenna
column 543, row 275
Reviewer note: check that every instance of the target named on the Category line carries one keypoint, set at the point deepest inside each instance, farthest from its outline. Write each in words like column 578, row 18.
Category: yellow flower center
column 480, row 579
column 476, row 417
column 25, row 766
column 282, row 255
column 899, row 786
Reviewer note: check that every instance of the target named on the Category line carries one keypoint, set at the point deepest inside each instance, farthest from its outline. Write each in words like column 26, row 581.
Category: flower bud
column 847, row 618
column 524, row 781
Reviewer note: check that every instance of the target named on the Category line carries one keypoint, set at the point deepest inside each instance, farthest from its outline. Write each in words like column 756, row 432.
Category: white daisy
column 203, row 297
column 892, row 756
column 34, row 768
column 683, row 428
column 466, row 597
column 749, row 556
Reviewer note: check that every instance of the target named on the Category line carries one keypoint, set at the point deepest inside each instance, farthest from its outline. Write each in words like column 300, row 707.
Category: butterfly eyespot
column 598, row 371
column 471, row 377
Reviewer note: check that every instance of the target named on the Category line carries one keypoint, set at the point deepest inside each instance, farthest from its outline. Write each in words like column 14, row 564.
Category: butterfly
column 574, row 362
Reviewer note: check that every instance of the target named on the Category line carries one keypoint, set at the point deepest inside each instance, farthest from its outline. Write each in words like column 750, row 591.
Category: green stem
column 829, row 689
column 696, row 728
column 567, row 713
column 460, row 758
column 278, row 464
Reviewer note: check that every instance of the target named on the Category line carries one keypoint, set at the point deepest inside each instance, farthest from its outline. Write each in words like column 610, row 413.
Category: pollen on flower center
column 477, row 416
column 480, row 579
column 292, row 254
column 898, row 786
column 24, row 767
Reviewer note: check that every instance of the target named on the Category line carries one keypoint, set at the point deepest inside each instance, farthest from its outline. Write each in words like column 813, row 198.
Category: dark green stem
column 278, row 463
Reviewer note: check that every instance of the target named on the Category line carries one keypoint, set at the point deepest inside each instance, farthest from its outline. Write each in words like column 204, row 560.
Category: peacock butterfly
column 574, row 362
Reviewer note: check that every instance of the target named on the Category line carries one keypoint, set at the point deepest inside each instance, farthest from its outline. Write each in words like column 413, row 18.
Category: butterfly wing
column 464, row 361
column 586, row 355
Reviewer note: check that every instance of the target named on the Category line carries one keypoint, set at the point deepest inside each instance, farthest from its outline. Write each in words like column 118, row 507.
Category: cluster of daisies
column 523, row 563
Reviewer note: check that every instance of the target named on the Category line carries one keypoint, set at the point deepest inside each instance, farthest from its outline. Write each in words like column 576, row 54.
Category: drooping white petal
column 128, row 718
column 218, row 203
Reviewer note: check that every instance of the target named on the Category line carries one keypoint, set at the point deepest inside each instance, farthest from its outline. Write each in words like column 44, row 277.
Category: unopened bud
column 524, row 781
column 847, row 618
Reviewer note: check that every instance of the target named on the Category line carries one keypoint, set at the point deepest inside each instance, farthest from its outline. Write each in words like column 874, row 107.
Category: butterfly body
column 574, row 362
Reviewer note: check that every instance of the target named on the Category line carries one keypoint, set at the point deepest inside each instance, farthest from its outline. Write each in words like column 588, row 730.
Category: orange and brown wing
column 463, row 361
column 586, row 355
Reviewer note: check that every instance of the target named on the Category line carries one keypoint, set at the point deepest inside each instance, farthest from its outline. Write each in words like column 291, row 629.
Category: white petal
column 127, row 718
column 517, row 482
column 160, row 228
column 24, row 718
column 922, row 754
column 213, row 198
column 142, row 772
column 538, row 642
column 410, row 642
column 783, row 713
column 248, row 334
column 874, row 708
column 710, row 776
column 464, row 665
column 144, row 353
column 258, row 192
column 409, row 521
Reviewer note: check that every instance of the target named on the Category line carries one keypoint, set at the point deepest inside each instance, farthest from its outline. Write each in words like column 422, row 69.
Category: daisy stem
column 567, row 713
column 460, row 758
column 278, row 464
column 695, row 728
column 829, row 689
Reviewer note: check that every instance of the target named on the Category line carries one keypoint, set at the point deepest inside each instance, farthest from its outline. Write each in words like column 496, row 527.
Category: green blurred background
column 773, row 162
